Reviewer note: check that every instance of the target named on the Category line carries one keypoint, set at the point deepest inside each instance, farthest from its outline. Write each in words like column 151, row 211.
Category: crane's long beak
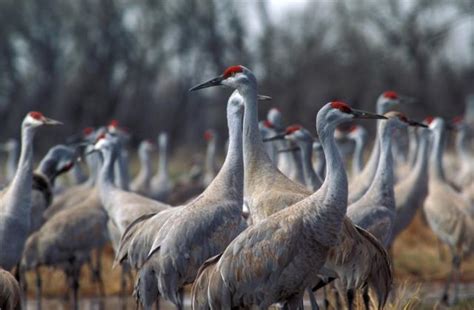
column 416, row 124
column 50, row 121
column 291, row 149
column 280, row 136
column 366, row 115
column 263, row 98
column 211, row 83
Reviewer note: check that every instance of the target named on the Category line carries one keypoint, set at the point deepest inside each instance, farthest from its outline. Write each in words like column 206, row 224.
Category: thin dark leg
column 366, row 297
column 456, row 265
column 445, row 297
column 38, row 289
column 350, row 299
column 312, row 300
column 326, row 300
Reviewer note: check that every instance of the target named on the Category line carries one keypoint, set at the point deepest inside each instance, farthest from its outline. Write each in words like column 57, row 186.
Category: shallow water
column 429, row 293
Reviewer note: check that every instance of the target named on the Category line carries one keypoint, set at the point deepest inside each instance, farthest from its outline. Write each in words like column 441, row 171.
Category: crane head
column 343, row 110
column 276, row 118
column 234, row 77
column 147, row 146
column 36, row 119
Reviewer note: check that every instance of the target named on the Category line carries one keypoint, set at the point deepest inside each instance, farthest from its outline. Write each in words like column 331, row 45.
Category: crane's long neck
column 358, row 156
column 412, row 146
column 93, row 163
column 20, row 188
column 121, row 168
column 320, row 167
column 436, row 158
column 229, row 182
column 420, row 168
column 106, row 174
column 145, row 166
column 382, row 185
column 12, row 161
column 78, row 174
column 163, row 172
column 462, row 145
column 334, row 186
column 312, row 181
column 255, row 157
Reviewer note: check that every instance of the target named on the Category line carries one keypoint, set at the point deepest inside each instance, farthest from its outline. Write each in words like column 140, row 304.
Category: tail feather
column 200, row 298
column 380, row 279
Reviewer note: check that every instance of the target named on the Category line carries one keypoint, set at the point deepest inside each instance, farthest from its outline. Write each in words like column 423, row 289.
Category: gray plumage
column 446, row 211
column 142, row 182
column 10, row 297
column 12, row 148
column 362, row 181
column 205, row 226
column 411, row 191
column 161, row 183
column 359, row 135
column 276, row 259
column 375, row 211
column 15, row 200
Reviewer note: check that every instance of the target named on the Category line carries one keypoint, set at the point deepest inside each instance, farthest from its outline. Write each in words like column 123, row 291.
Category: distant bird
column 375, row 210
column 267, row 190
column 10, row 297
column 446, row 211
column 411, row 191
column 361, row 182
column 211, row 167
column 66, row 241
column 267, row 131
column 13, row 149
column 465, row 176
column 15, row 200
column 58, row 160
column 161, row 183
column 359, row 135
column 205, row 226
column 304, row 141
column 288, row 163
column 142, row 182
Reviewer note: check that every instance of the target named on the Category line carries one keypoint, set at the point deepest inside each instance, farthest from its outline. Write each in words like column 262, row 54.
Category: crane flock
column 279, row 219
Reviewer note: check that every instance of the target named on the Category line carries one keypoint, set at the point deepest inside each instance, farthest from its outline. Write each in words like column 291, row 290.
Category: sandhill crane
column 446, row 211
column 359, row 135
column 411, row 191
column 66, row 241
column 267, row 189
column 288, row 163
column 361, row 182
column 412, row 146
column 161, row 183
column 57, row 161
column 303, row 139
column 375, row 211
column 205, row 226
column 267, row 131
column 76, row 194
column 10, row 297
column 142, row 182
column 121, row 164
column 15, row 200
column 13, row 149
column 273, row 261
column 465, row 176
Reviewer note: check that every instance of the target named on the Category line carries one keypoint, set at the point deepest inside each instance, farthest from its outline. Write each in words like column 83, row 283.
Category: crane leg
column 312, row 300
column 338, row 300
column 350, row 299
column 326, row 300
column 366, row 297
column 456, row 265
column 38, row 289
column 97, row 273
